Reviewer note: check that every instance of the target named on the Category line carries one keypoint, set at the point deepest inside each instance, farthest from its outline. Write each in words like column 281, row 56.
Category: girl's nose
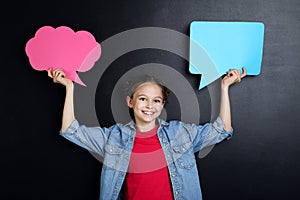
column 149, row 104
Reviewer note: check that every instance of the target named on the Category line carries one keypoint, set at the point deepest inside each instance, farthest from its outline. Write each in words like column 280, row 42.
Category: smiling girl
column 148, row 158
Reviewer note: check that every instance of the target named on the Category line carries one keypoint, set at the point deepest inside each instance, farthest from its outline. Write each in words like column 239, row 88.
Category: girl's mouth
column 148, row 112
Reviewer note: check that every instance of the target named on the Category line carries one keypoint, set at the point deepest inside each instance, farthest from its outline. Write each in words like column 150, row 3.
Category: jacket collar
column 160, row 122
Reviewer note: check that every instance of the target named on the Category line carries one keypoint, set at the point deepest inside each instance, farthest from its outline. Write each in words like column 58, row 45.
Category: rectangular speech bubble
column 216, row 47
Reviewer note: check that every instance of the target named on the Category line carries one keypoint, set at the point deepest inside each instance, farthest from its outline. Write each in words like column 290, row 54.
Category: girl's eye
column 157, row 100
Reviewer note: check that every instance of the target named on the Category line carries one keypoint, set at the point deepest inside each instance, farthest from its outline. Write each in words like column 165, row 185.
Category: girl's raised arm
column 68, row 117
column 232, row 77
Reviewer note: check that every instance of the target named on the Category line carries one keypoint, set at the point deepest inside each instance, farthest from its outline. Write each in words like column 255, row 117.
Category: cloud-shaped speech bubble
column 229, row 45
column 63, row 48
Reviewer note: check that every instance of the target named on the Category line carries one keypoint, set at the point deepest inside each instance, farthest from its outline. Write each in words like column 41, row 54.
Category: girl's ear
column 129, row 102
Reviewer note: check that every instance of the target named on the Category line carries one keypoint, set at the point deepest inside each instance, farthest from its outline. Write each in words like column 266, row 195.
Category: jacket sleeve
column 91, row 138
column 209, row 134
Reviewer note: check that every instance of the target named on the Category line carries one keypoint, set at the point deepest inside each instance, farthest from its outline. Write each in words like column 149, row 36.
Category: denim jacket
column 180, row 141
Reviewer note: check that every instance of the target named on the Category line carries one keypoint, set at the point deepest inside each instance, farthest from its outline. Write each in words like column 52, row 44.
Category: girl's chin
column 148, row 119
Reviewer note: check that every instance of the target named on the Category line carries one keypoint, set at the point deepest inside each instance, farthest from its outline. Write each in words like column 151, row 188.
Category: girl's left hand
column 233, row 76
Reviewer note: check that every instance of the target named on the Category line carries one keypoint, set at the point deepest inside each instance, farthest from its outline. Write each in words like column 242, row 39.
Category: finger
column 61, row 74
column 232, row 70
column 229, row 71
column 235, row 74
column 58, row 73
column 55, row 77
column 50, row 73
column 244, row 72
column 238, row 75
column 229, row 74
column 55, row 72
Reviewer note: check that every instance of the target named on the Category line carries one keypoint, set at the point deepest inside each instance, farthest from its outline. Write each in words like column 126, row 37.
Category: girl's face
column 147, row 103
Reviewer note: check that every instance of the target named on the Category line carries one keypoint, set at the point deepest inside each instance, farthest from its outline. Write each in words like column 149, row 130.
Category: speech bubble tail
column 202, row 83
column 79, row 81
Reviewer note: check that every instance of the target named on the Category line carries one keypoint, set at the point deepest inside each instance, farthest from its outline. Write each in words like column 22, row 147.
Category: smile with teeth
column 148, row 112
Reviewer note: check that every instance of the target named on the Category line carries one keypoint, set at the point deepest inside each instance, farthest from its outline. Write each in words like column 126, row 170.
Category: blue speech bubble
column 216, row 47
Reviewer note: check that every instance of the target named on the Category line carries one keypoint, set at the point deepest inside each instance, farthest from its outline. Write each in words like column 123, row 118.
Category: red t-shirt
column 147, row 176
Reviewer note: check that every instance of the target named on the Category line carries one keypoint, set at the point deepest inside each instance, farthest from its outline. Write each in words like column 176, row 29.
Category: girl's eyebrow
column 147, row 96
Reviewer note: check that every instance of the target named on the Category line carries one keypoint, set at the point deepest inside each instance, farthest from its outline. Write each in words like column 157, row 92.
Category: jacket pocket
column 113, row 155
column 184, row 156
column 113, row 149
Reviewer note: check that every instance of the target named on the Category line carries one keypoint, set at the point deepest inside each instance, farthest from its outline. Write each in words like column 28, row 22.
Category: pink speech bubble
column 63, row 48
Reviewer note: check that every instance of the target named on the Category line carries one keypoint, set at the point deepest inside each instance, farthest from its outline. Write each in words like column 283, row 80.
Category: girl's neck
column 143, row 127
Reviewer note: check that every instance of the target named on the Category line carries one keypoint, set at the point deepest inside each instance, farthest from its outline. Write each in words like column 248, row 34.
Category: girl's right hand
column 59, row 76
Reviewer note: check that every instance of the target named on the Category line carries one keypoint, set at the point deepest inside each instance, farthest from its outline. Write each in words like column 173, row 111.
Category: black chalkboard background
column 260, row 162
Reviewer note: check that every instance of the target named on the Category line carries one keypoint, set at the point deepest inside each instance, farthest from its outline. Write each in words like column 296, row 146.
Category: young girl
column 148, row 158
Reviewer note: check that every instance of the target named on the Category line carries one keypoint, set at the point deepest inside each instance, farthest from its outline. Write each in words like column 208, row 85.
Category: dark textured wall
column 260, row 162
